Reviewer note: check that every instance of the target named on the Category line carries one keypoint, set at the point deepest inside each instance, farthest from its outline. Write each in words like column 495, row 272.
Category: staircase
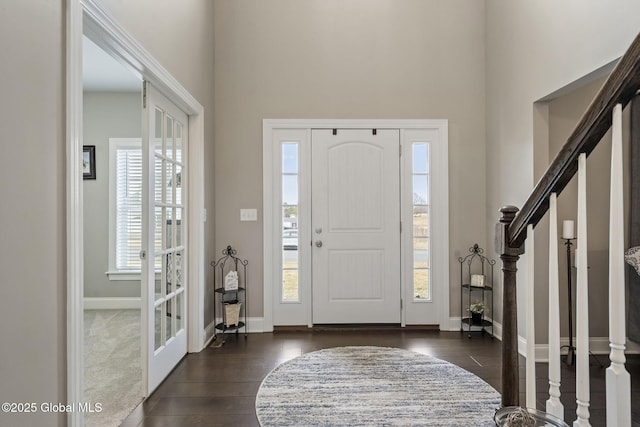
column 514, row 233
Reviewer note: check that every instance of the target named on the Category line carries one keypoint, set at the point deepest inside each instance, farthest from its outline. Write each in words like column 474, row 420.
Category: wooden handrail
column 620, row 87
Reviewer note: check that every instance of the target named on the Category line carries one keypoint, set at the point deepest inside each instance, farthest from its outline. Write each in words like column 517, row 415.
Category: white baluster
column 582, row 302
column 554, row 405
column 530, row 316
column 618, row 380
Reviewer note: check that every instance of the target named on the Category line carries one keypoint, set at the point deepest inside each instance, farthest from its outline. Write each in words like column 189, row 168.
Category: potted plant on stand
column 477, row 309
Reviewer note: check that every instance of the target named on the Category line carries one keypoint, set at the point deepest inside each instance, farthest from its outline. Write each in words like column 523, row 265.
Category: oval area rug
column 373, row 386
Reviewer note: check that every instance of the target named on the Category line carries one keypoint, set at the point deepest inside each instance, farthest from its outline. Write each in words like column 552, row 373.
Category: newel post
column 509, row 257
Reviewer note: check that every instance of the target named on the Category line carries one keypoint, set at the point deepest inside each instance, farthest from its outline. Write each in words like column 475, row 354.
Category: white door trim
column 75, row 257
column 88, row 17
column 440, row 234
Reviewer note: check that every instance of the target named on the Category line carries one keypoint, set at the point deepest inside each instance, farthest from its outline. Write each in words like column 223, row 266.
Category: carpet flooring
column 373, row 386
column 113, row 372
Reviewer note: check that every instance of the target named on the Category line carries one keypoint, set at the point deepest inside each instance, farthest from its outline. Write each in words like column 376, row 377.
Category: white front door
column 164, row 146
column 355, row 226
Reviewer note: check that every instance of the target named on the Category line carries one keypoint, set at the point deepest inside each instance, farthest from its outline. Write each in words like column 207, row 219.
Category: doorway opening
column 88, row 17
column 112, row 208
column 329, row 184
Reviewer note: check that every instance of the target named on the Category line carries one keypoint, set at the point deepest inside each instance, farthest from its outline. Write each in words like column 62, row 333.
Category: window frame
column 435, row 309
column 284, row 173
column 427, row 203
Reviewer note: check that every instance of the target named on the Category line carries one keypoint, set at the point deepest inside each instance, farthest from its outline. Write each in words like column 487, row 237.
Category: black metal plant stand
column 476, row 262
column 228, row 262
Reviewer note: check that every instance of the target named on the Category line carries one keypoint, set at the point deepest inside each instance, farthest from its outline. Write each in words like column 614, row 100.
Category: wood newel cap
column 502, row 233
column 508, row 213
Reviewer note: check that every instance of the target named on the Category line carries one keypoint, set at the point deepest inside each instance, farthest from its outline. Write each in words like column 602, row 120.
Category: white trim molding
column 255, row 325
column 597, row 345
column 74, row 222
column 453, row 324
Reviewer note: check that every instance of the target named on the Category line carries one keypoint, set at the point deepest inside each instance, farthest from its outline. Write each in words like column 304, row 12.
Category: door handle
column 318, row 243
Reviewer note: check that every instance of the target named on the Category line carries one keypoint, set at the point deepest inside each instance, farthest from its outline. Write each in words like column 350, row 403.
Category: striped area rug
column 373, row 386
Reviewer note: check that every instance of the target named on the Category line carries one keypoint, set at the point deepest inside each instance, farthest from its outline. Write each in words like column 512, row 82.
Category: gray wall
column 33, row 184
column 32, row 212
column 106, row 115
column 346, row 59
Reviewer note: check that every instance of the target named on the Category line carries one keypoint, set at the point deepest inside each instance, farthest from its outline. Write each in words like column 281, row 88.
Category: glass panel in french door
column 169, row 210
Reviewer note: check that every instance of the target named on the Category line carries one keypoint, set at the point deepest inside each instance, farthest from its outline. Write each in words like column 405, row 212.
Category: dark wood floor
column 217, row 387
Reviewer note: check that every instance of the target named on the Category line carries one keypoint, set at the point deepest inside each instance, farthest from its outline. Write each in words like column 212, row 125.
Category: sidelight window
column 290, row 249
column 421, row 237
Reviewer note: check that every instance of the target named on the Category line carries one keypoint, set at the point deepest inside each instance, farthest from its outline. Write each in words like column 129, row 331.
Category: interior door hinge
column 144, row 94
column 400, row 150
column 401, row 301
column 400, row 226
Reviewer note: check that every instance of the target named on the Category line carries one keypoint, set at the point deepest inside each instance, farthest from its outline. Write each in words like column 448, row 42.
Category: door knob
column 319, row 243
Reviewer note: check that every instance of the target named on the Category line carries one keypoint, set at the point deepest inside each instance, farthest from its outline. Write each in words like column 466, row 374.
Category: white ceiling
column 101, row 72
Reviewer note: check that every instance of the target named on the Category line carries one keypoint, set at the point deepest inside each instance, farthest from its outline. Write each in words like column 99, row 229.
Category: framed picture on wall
column 89, row 162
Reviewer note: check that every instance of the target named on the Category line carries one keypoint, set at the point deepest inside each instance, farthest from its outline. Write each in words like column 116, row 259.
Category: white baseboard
column 597, row 345
column 111, row 303
column 522, row 346
column 453, row 324
column 255, row 325
column 207, row 335
column 497, row 330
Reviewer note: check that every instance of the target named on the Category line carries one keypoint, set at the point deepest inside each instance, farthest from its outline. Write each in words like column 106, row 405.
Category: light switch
column 248, row 214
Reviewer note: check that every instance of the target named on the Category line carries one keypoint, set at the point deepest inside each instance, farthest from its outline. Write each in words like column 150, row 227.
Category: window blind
column 128, row 182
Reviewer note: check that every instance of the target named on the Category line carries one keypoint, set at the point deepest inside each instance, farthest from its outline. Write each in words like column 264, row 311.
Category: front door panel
column 356, row 226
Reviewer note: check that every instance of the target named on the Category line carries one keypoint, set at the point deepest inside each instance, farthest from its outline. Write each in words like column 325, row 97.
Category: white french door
column 164, row 150
column 356, row 226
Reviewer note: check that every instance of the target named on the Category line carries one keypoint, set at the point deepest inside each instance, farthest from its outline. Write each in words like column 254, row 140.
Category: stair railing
column 604, row 112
